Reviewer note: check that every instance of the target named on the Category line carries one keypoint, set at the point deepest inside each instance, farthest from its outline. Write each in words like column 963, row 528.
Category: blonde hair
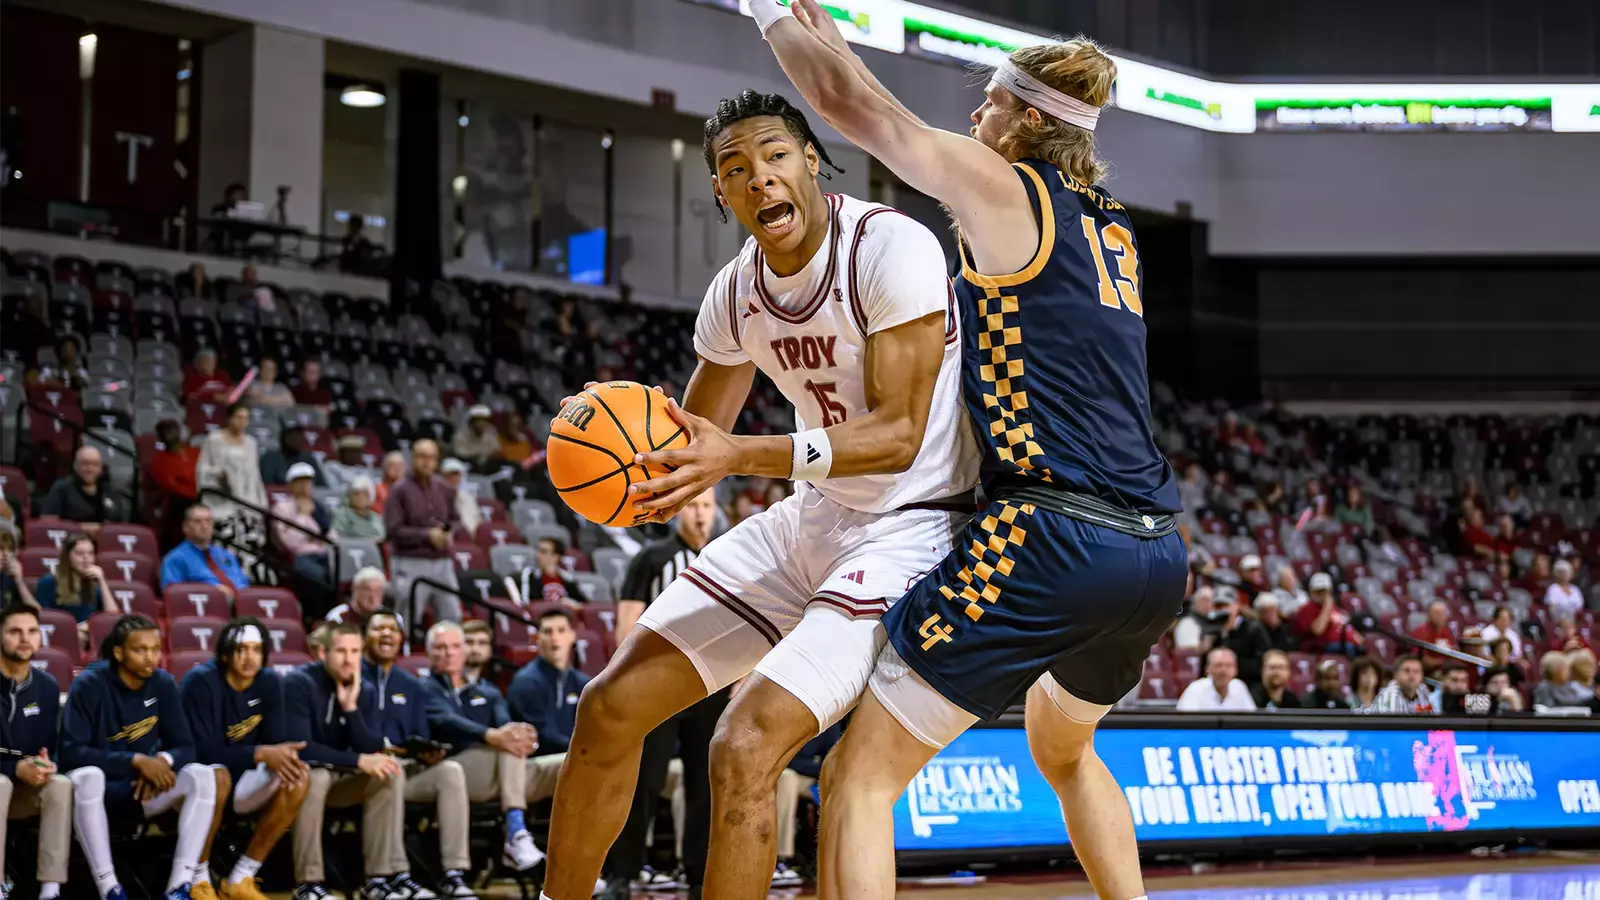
column 1081, row 69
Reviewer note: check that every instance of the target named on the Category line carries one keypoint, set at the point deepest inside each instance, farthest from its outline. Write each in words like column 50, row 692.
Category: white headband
column 1045, row 98
column 249, row 634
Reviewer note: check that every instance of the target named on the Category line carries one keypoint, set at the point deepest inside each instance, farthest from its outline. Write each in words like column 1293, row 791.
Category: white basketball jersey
column 878, row 268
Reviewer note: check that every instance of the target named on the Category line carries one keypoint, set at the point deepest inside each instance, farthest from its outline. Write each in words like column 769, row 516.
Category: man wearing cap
column 292, row 450
column 419, row 516
column 1239, row 633
column 235, row 710
column 1253, row 579
column 298, row 514
column 1323, row 626
column 479, row 442
column 454, row 472
column 344, row 470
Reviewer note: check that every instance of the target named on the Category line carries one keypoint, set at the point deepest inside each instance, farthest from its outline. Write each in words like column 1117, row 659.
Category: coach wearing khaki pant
column 335, row 714
column 30, row 704
column 473, row 718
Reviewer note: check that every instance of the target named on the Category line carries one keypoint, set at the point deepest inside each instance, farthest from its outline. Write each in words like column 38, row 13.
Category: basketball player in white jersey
column 845, row 306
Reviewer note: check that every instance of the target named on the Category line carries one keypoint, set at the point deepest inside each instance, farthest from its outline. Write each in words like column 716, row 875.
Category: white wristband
column 813, row 455
column 767, row 13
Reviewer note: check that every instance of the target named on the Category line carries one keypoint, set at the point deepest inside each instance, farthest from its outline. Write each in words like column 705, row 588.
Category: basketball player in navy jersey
column 1062, row 583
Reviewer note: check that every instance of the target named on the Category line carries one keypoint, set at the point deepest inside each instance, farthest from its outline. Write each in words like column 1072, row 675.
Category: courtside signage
column 984, row 792
column 903, row 27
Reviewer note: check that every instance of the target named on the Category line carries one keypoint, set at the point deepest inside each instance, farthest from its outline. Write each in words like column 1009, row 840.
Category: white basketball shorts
column 795, row 594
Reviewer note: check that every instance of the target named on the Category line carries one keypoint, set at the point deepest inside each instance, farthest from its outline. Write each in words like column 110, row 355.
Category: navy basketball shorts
column 1027, row 595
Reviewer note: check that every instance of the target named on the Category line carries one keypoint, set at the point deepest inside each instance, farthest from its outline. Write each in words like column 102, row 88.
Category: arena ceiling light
column 362, row 96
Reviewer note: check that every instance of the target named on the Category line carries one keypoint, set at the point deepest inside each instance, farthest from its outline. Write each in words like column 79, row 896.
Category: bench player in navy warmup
column 235, row 710
column 1061, row 584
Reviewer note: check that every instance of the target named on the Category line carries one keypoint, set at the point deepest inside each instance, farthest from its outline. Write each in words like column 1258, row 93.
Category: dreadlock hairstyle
column 228, row 642
column 748, row 105
column 118, row 635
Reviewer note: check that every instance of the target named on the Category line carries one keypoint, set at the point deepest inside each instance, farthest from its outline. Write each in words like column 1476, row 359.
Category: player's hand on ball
column 708, row 459
column 589, row 384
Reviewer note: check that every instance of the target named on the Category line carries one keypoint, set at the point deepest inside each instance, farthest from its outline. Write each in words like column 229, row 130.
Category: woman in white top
column 267, row 390
column 230, row 461
column 1503, row 627
column 1563, row 597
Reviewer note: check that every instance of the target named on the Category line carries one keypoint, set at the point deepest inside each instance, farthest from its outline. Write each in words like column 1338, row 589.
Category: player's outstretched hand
column 708, row 459
column 821, row 25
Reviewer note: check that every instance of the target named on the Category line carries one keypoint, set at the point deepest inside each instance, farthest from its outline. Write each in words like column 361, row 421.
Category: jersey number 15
column 1115, row 292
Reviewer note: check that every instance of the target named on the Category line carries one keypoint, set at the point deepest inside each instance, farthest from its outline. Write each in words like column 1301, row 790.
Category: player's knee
column 223, row 781
column 196, row 782
column 88, row 784
column 605, row 716
column 744, row 758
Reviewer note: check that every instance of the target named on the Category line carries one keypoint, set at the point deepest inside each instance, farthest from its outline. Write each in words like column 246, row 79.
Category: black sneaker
column 311, row 892
column 404, row 887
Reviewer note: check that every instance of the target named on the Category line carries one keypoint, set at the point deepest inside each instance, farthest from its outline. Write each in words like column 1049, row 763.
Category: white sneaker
column 599, row 887
column 783, row 876
column 521, row 853
column 651, row 880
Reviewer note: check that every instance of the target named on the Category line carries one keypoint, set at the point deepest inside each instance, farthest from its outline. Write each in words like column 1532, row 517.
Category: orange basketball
column 592, row 444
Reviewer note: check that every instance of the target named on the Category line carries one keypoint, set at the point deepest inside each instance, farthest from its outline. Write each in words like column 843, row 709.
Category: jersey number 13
column 1115, row 292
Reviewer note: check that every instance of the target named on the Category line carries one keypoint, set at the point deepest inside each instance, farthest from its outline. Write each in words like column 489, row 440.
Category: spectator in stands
column 1324, row 627
column 1328, row 692
column 130, row 759
column 355, row 518
column 308, row 388
column 317, row 641
column 741, row 509
column 13, row 587
column 477, row 637
column 347, row 464
column 8, row 516
column 266, row 390
column 358, row 254
column 473, row 718
column 1355, row 510
column 173, row 466
column 478, row 442
column 1253, row 579
column 310, row 554
column 1405, row 693
column 199, row 560
column 1556, row 687
column 230, row 461
column 1217, row 690
column 292, row 451
column 30, row 785
column 1500, row 655
column 1384, row 548
column 1194, row 629
column 544, row 693
column 205, row 381
column 1273, row 500
column 69, row 370
column 335, row 714
column 1563, row 598
column 394, row 469
column 546, row 581
column 1514, row 504
column 1503, row 626
column 78, row 585
column 1288, row 591
column 430, row 777
column 419, row 518
column 1475, row 539
column 1582, row 663
column 1471, row 497
column 366, row 597
column 517, row 443
column 234, row 705
column 1505, row 537
column 1450, row 697
column 1192, row 487
column 794, row 787
column 85, row 496
column 1279, row 635
column 454, row 472
column 1567, row 637
column 1497, row 684
column 1239, row 633
column 1436, row 631
column 193, row 282
column 1536, row 580
column 777, row 492
column 1366, row 680
column 1273, row 690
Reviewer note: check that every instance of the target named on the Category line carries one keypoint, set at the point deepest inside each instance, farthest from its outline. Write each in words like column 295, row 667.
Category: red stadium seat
column 38, row 562
column 1156, row 687
column 1186, row 664
column 12, row 482
column 59, row 630
column 183, row 660
column 319, row 441
column 118, row 537
column 1302, row 666
column 128, row 567
column 285, row 635
column 136, row 597
column 100, row 625
column 286, row 662
column 196, row 600
column 49, row 531
column 416, row 665
column 577, row 560
column 493, row 533
column 55, row 662
column 600, row 617
column 592, row 652
column 492, row 509
column 372, row 445
column 469, row 556
column 194, row 633
column 267, row 603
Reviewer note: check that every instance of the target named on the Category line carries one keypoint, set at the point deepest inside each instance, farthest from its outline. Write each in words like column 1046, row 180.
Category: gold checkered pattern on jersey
column 991, row 558
column 1005, row 397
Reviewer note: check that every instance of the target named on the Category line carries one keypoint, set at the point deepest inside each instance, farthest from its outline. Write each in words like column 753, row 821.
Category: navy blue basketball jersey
column 1055, row 374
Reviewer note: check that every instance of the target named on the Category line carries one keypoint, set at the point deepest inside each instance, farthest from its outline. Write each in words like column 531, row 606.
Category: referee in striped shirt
column 688, row 733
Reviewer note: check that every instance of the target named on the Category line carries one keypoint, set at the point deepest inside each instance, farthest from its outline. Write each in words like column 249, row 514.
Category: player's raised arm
column 975, row 181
